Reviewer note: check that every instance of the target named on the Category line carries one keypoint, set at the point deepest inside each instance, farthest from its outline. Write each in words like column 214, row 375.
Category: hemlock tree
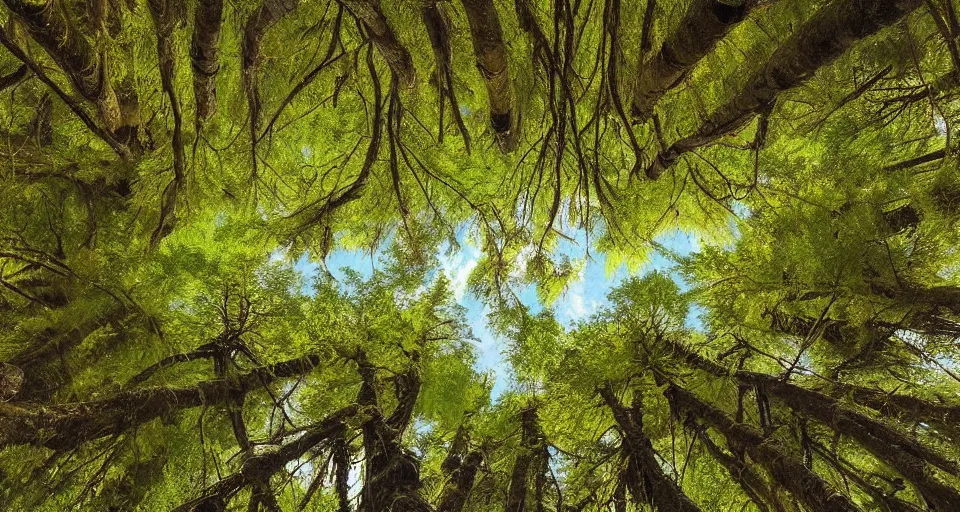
column 165, row 165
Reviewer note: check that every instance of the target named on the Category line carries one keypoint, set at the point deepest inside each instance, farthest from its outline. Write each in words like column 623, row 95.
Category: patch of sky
column 584, row 296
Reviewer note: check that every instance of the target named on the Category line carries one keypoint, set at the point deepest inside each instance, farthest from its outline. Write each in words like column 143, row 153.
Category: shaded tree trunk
column 704, row 24
column 493, row 63
column 259, row 468
column 648, row 484
column 751, row 483
column 529, row 444
column 370, row 14
column 826, row 36
column 65, row 426
column 899, row 451
column 205, row 57
column 392, row 474
column 805, row 485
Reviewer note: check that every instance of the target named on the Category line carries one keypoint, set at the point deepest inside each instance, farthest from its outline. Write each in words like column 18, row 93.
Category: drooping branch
column 651, row 486
column 318, row 210
column 529, row 442
column 752, row 484
column 68, row 47
column 821, row 40
column 369, row 13
column 900, row 451
column 437, row 22
column 257, row 469
column 168, row 361
column 805, row 485
column 704, row 24
column 69, row 100
column 268, row 14
column 392, row 475
column 205, row 57
column 493, row 63
column 164, row 20
column 65, row 426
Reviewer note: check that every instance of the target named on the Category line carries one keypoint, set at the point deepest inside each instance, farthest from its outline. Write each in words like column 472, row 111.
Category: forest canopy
column 169, row 165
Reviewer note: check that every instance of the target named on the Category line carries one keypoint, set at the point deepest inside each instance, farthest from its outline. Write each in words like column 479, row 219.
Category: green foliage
column 161, row 345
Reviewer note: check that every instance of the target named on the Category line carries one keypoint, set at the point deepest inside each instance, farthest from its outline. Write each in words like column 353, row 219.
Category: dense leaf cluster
column 165, row 164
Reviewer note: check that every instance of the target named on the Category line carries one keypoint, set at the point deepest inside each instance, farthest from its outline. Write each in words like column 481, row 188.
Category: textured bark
column 826, row 36
column 751, row 483
column 14, row 77
column 392, row 474
column 65, row 426
column 940, row 415
column 901, row 452
column 888, row 502
column 805, row 485
column 437, row 22
column 457, row 490
column 65, row 43
column 494, row 66
column 659, row 491
column 268, row 14
column 205, row 56
column 260, row 468
column 369, row 13
column 704, row 24
column 517, row 492
column 164, row 19
column 42, row 360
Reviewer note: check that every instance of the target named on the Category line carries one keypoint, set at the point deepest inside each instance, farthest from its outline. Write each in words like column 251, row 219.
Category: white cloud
column 457, row 268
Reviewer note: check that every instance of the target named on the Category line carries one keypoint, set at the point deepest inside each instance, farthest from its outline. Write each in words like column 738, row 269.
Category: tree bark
column 68, row 47
column 494, row 66
column 942, row 416
column 751, row 483
column 704, row 24
column 826, row 36
column 457, row 490
column 205, row 57
column 266, row 16
column 370, row 14
column 659, row 491
column 899, row 451
column 805, row 485
column 392, row 474
column 259, row 468
column 65, row 426
column 529, row 442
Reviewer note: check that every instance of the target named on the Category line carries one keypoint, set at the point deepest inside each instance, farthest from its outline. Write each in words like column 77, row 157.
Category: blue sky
column 585, row 295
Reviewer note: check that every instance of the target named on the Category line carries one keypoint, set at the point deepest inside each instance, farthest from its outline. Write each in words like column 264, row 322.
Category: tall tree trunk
column 826, row 36
column 392, row 474
column 65, row 426
column 205, row 57
column 704, row 24
column 51, row 28
column 259, row 468
column 494, row 66
column 529, row 443
column 370, row 14
column 268, row 14
column 943, row 416
column 751, row 483
column 657, row 490
column 805, row 485
column 899, row 451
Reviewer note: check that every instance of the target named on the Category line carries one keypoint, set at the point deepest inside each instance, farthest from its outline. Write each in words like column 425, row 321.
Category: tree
column 166, row 165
